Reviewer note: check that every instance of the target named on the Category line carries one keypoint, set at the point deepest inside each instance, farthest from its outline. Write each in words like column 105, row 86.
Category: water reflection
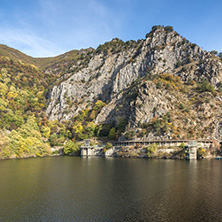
column 99, row 189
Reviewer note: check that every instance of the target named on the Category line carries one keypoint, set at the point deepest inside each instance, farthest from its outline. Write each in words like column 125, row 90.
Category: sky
column 43, row 28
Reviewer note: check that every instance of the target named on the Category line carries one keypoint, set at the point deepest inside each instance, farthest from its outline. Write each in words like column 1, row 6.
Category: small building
column 87, row 150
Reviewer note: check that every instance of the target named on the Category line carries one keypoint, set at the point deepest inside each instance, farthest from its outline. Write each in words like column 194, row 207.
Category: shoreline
column 114, row 157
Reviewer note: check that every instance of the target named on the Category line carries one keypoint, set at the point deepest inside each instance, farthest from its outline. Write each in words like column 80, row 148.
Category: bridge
column 191, row 145
column 190, row 148
column 204, row 143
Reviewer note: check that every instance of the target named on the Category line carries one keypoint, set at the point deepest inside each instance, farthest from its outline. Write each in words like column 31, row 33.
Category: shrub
column 205, row 86
column 158, row 85
column 155, row 27
column 157, row 125
column 201, row 153
column 103, row 130
column 151, row 149
column 53, row 139
column 167, row 86
column 98, row 105
column 182, row 146
column 168, row 28
column 109, row 146
column 178, row 64
column 71, row 148
column 214, row 52
column 181, row 106
column 220, row 86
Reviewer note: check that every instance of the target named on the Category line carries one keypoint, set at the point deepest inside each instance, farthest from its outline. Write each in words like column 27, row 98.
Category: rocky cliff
column 161, row 86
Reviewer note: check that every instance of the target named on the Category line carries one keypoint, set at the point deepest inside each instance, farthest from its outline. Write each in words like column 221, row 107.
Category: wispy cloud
column 80, row 24
column 30, row 43
column 53, row 26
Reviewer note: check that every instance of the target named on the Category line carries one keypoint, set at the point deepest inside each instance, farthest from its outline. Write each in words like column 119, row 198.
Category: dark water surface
column 98, row 189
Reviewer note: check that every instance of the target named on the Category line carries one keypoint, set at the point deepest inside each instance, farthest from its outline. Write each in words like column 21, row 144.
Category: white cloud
column 30, row 43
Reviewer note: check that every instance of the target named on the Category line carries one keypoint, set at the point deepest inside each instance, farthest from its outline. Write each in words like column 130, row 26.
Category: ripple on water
column 75, row 189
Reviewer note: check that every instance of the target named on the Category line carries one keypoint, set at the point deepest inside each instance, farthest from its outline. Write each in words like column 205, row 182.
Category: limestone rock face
column 110, row 76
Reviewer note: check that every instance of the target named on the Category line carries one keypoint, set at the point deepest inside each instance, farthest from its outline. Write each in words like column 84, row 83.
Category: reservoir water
column 99, row 189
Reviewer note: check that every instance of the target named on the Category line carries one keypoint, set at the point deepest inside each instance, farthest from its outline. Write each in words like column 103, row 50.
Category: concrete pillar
column 83, row 152
column 192, row 153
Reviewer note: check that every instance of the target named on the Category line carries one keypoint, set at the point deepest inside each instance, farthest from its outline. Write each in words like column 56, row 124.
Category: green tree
column 90, row 128
column 214, row 52
column 121, row 124
column 71, row 148
column 206, row 86
column 157, row 125
column 45, row 130
column 168, row 28
column 151, row 149
column 5, row 151
column 98, row 105
column 182, row 146
column 53, row 139
column 112, row 133
column 62, row 132
column 104, row 130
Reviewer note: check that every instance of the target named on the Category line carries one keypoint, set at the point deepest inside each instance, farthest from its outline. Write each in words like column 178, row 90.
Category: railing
column 206, row 141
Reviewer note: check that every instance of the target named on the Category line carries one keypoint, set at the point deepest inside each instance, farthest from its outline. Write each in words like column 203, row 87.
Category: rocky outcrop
column 122, row 79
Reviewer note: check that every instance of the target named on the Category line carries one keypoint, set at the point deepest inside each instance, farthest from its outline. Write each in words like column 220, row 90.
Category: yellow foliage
column 4, row 146
column 91, row 126
column 24, row 93
column 2, row 108
column 46, row 131
column 4, row 72
column 83, row 113
column 174, row 129
column 12, row 95
column 40, row 94
column 6, row 80
column 167, row 76
column 92, row 115
column 98, row 105
column 174, row 82
column 34, row 67
column 202, row 150
column 78, row 129
column 3, row 89
column 3, row 102
column 174, row 86
column 35, row 99
column 41, row 105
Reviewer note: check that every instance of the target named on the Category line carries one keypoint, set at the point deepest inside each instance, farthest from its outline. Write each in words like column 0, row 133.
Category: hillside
column 159, row 87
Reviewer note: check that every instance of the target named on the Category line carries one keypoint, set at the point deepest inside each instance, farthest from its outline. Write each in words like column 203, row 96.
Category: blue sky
column 43, row 28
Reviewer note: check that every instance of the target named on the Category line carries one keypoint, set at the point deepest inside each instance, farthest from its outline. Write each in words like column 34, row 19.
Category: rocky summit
column 160, row 87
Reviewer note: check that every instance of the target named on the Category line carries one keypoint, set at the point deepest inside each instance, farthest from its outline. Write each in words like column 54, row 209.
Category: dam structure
column 203, row 143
